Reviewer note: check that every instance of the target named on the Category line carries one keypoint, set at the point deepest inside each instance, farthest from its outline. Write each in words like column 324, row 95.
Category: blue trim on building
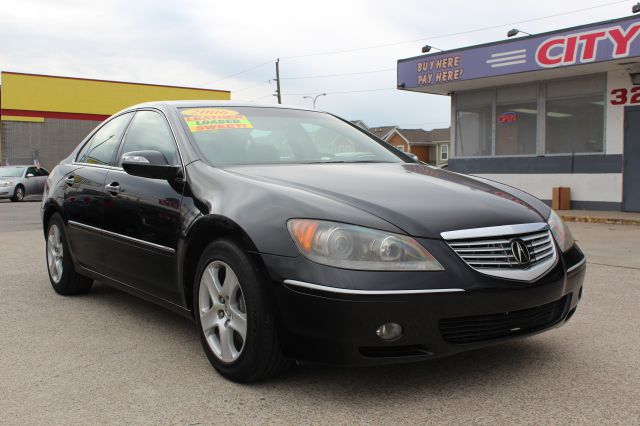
column 593, row 163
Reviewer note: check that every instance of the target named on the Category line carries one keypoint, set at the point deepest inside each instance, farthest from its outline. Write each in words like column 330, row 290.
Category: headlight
column 6, row 184
column 355, row 247
column 560, row 231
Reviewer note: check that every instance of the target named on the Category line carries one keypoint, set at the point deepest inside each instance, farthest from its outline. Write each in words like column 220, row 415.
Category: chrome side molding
column 337, row 290
column 165, row 249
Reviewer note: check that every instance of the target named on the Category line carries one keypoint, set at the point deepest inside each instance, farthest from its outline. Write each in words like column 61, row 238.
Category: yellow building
column 44, row 117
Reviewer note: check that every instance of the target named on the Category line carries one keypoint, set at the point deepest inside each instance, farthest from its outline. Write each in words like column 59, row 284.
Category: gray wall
column 50, row 141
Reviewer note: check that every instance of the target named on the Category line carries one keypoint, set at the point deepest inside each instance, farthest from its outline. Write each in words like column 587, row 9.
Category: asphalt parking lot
column 107, row 357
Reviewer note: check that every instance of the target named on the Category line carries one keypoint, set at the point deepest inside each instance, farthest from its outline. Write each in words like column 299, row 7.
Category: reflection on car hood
column 423, row 201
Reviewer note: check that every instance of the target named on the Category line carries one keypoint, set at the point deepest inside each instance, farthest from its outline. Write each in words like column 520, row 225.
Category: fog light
column 389, row 331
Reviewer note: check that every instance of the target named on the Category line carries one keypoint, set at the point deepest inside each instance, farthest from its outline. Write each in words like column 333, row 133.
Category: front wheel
column 18, row 194
column 64, row 279
column 234, row 315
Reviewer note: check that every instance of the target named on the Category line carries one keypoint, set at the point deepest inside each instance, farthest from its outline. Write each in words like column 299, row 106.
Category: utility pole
column 278, row 81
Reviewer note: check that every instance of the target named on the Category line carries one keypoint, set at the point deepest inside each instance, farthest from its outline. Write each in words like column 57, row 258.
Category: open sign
column 507, row 118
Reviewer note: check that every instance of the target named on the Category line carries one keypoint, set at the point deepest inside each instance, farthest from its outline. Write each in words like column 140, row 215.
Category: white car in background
column 18, row 182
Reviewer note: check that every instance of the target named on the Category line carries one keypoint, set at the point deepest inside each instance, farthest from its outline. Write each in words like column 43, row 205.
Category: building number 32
column 624, row 96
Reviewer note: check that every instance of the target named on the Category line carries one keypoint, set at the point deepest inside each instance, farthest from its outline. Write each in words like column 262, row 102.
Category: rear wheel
column 64, row 279
column 18, row 194
column 234, row 315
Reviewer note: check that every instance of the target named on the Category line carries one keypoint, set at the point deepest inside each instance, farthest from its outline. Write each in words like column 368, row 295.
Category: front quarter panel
column 262, row 209
column 53, row 195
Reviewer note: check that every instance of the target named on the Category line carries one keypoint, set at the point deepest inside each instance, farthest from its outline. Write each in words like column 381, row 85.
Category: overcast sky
column 199, row 43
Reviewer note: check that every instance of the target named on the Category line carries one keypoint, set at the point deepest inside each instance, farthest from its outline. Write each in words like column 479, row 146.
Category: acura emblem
column 520, row 252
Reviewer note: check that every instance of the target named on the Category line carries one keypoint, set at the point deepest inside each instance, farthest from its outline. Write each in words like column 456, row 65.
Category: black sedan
column 289, row 234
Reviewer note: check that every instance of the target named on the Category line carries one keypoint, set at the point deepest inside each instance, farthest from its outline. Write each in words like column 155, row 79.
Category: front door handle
column 113, row 188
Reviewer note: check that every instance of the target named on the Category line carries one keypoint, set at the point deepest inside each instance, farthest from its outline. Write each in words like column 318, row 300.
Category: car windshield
column 11, row 171
column 259, row 135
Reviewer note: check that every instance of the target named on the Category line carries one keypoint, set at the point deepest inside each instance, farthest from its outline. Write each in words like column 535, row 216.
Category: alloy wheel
column 222, row 310
column 55, row 253
column 19, row 193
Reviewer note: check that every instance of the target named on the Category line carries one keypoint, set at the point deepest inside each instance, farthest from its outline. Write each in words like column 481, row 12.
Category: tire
column 64, row 279
column 251, row 357
column 18, row 194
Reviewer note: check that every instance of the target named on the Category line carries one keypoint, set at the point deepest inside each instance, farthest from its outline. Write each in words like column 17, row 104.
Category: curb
column 593, row 219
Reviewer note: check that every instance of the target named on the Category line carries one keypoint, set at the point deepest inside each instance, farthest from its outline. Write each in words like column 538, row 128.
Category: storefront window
column 474, row 117
column 505, row 120
column 517, row 120
column 575, row 116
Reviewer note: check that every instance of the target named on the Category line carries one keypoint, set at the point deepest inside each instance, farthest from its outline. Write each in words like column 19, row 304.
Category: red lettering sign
column 621, row 96
column 563, row 50
column 622, row 40
column 590, row 44
column 544, row 56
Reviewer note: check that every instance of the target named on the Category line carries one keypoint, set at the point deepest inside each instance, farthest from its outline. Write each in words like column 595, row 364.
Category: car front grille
column 493, row 254
column 480, row 328
column 496, row 253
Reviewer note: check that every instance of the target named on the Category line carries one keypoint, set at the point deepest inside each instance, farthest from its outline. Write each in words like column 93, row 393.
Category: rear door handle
column 70, row 180
column 113, row 188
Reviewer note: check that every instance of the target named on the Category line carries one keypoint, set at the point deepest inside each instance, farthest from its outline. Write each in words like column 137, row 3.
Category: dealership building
column 43, row 118
column 559, row 109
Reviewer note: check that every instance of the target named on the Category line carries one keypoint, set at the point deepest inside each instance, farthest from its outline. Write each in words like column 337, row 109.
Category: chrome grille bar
column 494, row 256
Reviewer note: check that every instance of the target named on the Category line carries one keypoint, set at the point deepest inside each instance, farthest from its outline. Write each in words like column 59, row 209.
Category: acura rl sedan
column 293, row 235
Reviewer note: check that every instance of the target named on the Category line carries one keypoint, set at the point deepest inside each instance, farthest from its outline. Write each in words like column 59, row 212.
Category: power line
column 262, row 97
column 493, row 27
column 340, row 92
column 328, row 93
column 243, row 71
column 252, row 86
column 396, row 44
column 338, row 75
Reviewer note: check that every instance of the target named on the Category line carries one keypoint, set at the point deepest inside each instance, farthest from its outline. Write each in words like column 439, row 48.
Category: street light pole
column 314, row 98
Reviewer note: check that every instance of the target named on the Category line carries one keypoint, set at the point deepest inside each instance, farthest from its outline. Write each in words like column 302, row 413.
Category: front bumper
column 7, row 191
column 340, row 327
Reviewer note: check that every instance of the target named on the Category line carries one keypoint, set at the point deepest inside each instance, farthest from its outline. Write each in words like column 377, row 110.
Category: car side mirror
column 30, row 175
column 149, row 164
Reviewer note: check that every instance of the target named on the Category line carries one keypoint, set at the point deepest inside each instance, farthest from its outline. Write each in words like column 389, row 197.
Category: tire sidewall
column 259, row 314
column 66, row 259
column 19, row 189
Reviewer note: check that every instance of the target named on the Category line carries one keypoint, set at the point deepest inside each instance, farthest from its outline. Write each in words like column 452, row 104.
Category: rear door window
column 103, row 144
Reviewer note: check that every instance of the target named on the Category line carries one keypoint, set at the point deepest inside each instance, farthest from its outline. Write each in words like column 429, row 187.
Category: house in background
column 430, row 146
column 382, row 132
column 361, row 124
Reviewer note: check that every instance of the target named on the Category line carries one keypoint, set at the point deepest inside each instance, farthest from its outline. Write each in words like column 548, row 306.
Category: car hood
column 422, row 200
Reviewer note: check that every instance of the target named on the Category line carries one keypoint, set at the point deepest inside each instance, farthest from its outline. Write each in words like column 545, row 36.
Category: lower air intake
column 480, row 328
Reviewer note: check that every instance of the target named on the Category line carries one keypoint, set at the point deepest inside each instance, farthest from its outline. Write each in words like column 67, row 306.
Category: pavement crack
column 614, row 266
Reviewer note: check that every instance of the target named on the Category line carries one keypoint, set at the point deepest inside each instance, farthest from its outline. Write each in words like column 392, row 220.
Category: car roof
column 212, row 103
